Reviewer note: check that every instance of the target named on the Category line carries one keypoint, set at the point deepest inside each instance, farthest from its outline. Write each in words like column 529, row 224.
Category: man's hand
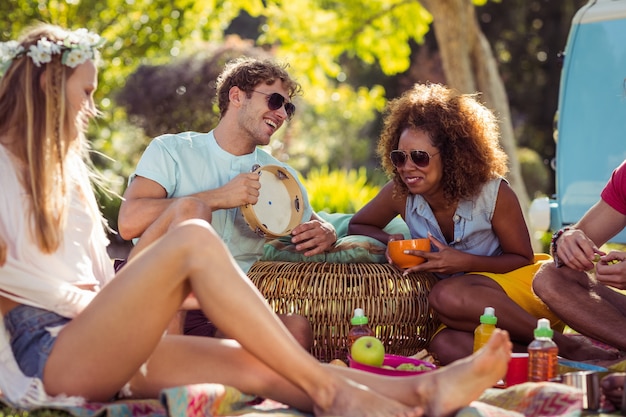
column 241, row 190
column 313, row 237
column 611, row 269
column 613, row 388
column 576, row 250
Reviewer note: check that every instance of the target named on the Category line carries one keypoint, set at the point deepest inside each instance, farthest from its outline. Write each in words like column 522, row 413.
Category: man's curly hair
column 464, row 131
column 246, row 73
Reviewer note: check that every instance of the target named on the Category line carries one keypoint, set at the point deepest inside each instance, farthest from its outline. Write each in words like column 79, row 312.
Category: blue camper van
column 591, row 118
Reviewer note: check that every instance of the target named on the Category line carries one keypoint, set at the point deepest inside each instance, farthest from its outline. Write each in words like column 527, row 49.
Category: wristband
column 553, row 246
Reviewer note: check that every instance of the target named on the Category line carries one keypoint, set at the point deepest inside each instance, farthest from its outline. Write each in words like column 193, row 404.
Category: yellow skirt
column 517, row 285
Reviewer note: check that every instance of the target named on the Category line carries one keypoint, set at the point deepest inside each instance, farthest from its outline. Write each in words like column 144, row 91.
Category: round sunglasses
column 275, row 101
column 419, row 158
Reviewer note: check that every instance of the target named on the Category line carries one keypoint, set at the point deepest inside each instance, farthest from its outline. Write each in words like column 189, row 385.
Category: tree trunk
column 470, row 66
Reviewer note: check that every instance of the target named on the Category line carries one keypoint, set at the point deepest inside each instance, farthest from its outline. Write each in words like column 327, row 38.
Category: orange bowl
column 396, row 250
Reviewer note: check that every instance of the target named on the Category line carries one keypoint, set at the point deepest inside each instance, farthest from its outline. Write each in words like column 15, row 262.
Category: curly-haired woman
column 441, row 149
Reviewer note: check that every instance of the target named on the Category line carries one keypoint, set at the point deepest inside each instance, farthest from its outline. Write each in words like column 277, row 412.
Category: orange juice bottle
column 359, row 327
column 487, row 325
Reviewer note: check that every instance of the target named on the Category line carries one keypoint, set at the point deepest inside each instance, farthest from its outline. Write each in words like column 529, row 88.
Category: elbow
column 125, row 232
column 353, row 228
column 124, row 225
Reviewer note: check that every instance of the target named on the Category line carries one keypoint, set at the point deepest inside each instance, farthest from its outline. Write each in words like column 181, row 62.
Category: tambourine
column 279, row 208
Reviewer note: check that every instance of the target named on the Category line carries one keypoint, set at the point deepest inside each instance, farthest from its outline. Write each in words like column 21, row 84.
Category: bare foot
column 581, row 348
column 353, row 399
column 609, row 363
column 467, row 378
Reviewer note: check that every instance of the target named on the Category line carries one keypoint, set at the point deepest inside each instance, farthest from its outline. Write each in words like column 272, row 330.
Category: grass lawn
column 11, row 412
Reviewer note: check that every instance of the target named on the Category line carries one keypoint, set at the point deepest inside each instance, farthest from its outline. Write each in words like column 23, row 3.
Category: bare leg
column 568, row 293
column 192, row 208
column 179, row 211
column 460, row 302
column 299, row 327
column 93, row 357
column 467, row 378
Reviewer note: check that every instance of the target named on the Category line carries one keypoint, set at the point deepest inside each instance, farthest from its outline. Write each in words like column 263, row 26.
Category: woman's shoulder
column 492, row 187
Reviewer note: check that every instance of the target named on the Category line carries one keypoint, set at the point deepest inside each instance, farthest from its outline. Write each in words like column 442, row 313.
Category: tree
column 380, row 31
column 470, row 66
column 323, row 39
column 527, row 38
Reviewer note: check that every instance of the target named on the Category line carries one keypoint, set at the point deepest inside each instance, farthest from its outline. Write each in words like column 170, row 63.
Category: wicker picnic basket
column 327, row 294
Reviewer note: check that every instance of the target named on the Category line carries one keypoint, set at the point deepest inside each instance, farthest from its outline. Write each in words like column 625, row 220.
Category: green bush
column 535, row 173
column 339, row 191
column 11, row 412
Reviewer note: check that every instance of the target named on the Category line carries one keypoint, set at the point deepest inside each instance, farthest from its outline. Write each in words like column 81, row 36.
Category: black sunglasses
column 419, row 158
column 275, row 101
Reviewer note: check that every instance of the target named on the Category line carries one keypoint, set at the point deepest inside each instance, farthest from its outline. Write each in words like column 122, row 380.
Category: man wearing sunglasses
column 208, row 175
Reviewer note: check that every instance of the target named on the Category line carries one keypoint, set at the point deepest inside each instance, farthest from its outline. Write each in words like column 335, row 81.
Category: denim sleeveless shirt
column 472, row 221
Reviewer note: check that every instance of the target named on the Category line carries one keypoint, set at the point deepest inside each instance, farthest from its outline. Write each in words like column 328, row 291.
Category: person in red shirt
column 566, row 285
column 580, row 285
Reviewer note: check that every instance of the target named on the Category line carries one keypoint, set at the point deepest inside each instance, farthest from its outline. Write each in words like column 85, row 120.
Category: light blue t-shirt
column 190, row 162
column 473, row 232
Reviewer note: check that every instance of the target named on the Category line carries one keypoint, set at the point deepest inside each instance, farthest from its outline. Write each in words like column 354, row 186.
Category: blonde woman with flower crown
column 70, row 333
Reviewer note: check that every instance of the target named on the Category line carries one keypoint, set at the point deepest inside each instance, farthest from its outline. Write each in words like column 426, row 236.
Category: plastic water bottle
column 542, row 354
column 486, row 327
column 359, row 327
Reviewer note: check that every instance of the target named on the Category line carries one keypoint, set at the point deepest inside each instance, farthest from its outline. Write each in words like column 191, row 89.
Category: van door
column 591, row 125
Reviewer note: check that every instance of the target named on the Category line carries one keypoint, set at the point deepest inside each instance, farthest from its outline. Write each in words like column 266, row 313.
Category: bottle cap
column 359, row 317
column 489, row 316
column 543, row 329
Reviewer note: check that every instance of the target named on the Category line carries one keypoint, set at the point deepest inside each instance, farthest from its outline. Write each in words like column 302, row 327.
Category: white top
column 46, row 281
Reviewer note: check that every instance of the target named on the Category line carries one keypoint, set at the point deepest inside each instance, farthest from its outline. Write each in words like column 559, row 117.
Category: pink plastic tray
column 394, row 361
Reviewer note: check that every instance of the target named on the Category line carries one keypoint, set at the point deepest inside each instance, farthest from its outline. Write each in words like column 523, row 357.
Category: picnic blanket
column 544, row 399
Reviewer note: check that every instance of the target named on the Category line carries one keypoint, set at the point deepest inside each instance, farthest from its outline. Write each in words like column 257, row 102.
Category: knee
column 446, row 348
column 186, row 208
column 196, row 237
column 300, row 328
column 546, row 281
column 442, row 297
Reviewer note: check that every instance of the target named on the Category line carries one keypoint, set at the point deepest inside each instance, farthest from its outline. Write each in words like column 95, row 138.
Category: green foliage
column 340, row 51
column 372, row 31
column 339, row 191
column 184, row 100
column 329, row 131
column 11, row 412
column 534, row 172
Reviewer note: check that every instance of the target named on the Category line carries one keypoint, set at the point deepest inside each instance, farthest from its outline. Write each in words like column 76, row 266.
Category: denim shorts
column 31, row 340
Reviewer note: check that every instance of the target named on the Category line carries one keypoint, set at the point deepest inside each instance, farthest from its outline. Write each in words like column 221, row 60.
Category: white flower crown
column 78, row 47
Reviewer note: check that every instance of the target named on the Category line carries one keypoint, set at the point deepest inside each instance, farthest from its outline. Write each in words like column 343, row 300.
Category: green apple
column 368, row 350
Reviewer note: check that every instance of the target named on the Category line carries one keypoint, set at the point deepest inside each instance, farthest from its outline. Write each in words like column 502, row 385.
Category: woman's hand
column 397, row 236
column 444, row 260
